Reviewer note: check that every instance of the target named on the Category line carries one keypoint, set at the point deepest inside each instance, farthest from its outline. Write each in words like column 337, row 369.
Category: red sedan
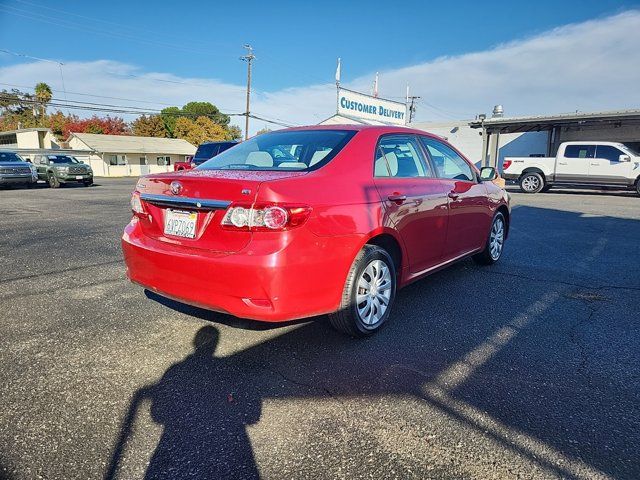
column 314, row 220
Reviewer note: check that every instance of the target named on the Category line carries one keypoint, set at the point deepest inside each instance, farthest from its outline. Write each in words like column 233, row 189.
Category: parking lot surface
column 526, row 369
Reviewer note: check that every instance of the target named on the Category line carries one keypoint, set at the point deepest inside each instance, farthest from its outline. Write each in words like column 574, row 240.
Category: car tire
column 88, row 183
column 53, row 181
column 373, row 267
column 638, row 186
column 495, row 241
column 532, row 182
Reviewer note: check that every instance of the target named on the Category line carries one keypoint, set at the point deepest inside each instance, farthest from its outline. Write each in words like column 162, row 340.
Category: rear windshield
column 288, row 150
column 206, row 150
column 10, row 157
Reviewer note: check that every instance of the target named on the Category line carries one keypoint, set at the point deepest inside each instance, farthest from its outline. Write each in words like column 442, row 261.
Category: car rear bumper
column 280, row 277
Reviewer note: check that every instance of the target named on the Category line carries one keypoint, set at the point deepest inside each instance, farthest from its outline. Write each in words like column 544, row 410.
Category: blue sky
column 296, row 44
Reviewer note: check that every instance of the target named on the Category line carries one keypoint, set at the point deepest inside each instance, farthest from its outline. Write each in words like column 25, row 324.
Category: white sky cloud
column 588, row 66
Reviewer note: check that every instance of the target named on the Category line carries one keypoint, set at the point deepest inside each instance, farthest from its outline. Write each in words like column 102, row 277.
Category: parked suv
column 314, row 220
column 602, row 164
column 205, row 151
column 57, row 170
column 15, row 171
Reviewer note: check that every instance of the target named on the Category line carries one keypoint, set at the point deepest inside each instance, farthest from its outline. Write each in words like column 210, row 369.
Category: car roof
column 218, row 141
column 376, row 128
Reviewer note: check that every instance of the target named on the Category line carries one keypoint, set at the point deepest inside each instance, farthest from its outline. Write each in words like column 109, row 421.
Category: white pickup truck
column 603, row 164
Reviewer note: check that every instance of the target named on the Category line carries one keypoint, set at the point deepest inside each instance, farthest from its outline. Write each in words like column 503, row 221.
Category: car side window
column 579, row 151
column 608, row 152
column 447, row 162
column 400, row 156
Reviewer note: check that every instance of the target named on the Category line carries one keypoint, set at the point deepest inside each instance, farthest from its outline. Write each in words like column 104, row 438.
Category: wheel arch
column 507, row 218
column 534, row 170
column 392, row 245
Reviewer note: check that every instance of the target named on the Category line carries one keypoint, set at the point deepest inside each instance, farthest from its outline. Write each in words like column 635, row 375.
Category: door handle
column 397, row 198
column 562, row 163
column 453, row 195
column 595, row 164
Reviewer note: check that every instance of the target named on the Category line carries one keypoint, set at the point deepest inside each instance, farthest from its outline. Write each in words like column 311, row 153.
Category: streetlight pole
column 249, row 57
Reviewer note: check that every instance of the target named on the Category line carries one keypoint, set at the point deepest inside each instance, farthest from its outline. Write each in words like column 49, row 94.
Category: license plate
column 180, row 224
column 78, row 177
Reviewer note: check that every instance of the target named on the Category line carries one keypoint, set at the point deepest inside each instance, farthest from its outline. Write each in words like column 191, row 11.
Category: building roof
column 547, row 122
column 20, row 130
column 132, row 144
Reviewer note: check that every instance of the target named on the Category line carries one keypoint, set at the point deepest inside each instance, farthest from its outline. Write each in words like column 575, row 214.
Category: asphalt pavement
column 526, row 369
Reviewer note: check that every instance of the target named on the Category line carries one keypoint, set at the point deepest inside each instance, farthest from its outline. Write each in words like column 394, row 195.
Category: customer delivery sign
column 354, row 104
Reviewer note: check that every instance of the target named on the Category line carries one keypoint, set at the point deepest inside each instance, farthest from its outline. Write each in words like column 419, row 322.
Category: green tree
column 263, row 130
column 206, row 109
column 169, row 116
column 43, row 96
column 234, row 133
column 151, row 126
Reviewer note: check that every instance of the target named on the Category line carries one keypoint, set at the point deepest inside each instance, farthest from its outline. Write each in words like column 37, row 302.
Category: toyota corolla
column 314, row 220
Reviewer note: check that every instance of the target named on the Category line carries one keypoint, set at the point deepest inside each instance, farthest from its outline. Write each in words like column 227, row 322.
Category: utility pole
column 249, row 57
column 412, row 107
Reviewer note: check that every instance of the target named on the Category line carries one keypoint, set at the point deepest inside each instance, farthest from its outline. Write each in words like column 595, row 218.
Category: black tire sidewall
column 532, row 174
column 370, row 254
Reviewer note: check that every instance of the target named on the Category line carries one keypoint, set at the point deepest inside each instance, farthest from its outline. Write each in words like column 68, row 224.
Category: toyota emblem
column 176, row 188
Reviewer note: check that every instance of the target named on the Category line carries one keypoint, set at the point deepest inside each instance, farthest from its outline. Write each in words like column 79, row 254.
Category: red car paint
column 301, row 271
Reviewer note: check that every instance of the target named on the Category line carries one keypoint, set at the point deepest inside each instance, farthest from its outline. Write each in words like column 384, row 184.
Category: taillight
column 136, row 205
column 506, row 164
column 265, row 218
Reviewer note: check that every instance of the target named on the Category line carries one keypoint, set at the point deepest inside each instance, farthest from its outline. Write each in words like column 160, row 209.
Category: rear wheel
column 53, row 181
column 368, row 294
column 532, row 182
column 495, row 242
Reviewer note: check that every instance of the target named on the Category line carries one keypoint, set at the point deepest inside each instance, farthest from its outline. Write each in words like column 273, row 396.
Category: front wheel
column 53, row 181
column 531, row 182
column 495, row 242
column 368, row 294
column 88, row 183
column 638, row 186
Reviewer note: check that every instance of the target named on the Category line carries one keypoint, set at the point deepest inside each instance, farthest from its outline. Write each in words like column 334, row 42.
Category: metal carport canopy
column 548, row 122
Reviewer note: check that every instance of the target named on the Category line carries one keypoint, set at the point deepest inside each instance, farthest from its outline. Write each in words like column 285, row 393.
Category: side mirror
column 624, row 158
column 488, row 174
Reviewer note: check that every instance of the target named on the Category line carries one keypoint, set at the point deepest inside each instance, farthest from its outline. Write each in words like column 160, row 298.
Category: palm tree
column 43, row 95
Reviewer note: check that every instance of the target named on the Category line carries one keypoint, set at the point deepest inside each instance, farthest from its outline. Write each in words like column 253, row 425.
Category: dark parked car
column 205, row 151
column 15, row 171
column 60, row 169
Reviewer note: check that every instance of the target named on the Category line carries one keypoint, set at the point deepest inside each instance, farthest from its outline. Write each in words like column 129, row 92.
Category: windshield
column 61, row 159
column 632, row 151
column 10, row 157
column 287, row 150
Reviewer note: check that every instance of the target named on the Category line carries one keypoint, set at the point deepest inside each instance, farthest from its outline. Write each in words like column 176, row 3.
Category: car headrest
column 260, row 159
column 317, row 156
column 381, row 165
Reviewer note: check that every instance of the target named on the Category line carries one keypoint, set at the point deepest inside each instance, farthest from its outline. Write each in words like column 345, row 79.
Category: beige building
column 128, row 155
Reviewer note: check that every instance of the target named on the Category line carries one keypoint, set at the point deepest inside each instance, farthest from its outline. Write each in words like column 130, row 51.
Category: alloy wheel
column 531, row 183
column 374, row 292
column 496, row 238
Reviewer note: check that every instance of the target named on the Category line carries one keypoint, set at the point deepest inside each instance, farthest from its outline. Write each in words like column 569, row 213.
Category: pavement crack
column 308, row 386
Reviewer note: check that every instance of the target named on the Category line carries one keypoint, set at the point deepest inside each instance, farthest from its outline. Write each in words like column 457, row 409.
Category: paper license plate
column 79, row 177
column 180, row 224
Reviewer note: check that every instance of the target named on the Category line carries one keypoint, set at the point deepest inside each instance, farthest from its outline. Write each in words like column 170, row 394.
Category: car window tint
column 608, row 152
column 447, row 162
column 579, row 151
column 400, row 156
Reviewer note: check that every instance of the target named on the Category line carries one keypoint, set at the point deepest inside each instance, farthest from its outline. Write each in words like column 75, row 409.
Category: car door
column 572, row 164
column 415, row 203
column 42, row 163
column 606, row 166
column 469, row 210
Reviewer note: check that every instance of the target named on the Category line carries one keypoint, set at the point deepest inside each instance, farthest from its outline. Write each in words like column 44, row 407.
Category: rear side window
column 207, row 150
column 400, row 156
column 10, row 157
column 608, row 152
column 297, row 150
column 579, row 151
column 447, row 162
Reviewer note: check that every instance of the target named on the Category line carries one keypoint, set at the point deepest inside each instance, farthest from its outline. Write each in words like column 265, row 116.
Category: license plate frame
column 180, row 223
column 79, row 177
